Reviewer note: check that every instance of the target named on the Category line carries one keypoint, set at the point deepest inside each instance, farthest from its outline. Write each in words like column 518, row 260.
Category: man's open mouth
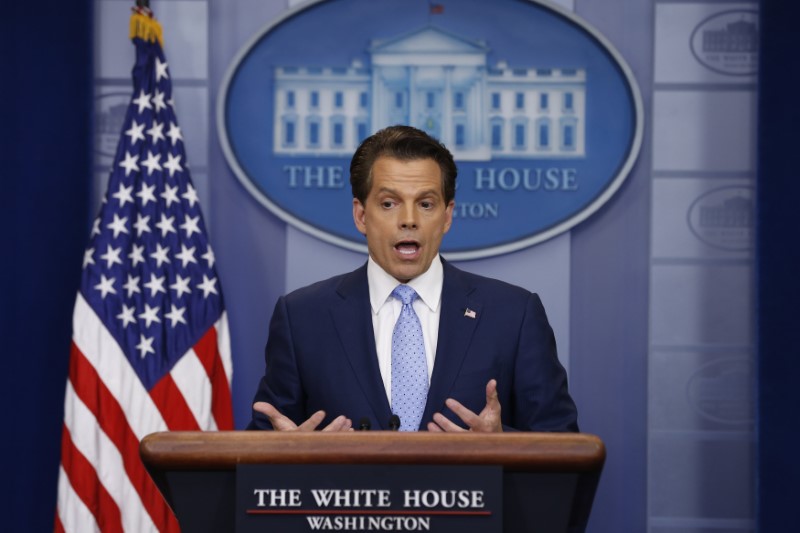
column 407, row 247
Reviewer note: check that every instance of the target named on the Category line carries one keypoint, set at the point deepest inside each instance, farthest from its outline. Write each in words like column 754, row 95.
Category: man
column 409, row 334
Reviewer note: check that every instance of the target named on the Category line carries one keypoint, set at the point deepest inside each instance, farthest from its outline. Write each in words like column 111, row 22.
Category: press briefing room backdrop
column 670, row 284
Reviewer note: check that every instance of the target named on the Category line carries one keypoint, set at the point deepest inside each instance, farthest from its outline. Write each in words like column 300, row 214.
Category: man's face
column 405, row 215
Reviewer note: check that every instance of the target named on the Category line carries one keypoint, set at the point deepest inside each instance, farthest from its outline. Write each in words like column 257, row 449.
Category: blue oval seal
column 543, row 116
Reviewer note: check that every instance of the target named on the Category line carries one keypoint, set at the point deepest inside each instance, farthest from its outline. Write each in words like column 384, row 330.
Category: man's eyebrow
column 431, row 193
column 425, row 192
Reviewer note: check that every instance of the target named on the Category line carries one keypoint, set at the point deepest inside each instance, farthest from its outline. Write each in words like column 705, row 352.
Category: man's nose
column 408, row 217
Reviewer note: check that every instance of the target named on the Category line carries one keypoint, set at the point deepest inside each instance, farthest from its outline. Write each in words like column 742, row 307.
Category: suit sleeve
column 541, row 401
column 280, row 385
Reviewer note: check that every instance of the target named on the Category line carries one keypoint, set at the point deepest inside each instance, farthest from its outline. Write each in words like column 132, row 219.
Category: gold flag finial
column 144, row 25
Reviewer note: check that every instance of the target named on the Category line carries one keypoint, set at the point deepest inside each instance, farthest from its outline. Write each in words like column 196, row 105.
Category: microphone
column 364, row 424
column 394, row 423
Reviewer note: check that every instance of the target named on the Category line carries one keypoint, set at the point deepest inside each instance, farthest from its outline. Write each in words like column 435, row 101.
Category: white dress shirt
column 386, row 310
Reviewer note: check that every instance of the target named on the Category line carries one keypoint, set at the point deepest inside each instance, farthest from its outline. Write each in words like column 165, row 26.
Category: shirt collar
column 428, row 285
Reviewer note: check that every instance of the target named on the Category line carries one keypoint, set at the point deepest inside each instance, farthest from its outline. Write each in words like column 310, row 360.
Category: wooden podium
column 549, row 479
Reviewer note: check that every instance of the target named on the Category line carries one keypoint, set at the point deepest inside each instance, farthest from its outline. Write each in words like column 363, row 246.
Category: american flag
column 150, row 346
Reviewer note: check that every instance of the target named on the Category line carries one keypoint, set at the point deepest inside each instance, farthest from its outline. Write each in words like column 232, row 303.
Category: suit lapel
column 455, row 335
column 353, row 321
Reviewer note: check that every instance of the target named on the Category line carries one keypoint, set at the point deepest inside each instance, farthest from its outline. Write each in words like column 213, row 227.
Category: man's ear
column 449, row 213
column 360, row 216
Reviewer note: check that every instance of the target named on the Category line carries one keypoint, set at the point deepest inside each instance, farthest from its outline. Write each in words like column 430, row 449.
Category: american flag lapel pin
column 469, row 313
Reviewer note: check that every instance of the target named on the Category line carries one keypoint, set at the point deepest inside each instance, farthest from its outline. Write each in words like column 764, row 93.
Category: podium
column 548, row 479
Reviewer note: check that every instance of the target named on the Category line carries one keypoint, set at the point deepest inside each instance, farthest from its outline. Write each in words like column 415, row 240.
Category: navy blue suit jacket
column 321, row 355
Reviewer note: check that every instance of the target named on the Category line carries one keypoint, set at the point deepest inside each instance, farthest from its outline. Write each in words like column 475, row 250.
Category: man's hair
column 406, row 144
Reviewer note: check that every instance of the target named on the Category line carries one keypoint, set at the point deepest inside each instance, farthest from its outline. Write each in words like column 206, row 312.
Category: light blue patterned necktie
column 409, row 365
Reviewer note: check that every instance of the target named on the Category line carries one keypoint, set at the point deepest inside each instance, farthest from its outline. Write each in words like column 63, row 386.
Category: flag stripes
column 87, row 486
column 172, row 405
column 106, row 416
column 73, row 515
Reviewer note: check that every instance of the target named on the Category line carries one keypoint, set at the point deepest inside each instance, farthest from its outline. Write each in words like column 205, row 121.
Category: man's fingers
column 340, row 423
column 491, row 394
column 466, row 416
column 433, row 428
column 283, row 423
column 445, row 424
column 265, row 409
column 278, row 421
column 312, row 422
column 488, row 420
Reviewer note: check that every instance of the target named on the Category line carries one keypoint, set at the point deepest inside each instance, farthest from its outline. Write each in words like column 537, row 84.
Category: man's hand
column 282, row 423
column 488, row 421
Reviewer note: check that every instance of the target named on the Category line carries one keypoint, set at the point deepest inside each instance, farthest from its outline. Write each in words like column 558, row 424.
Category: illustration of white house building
column 438, row 82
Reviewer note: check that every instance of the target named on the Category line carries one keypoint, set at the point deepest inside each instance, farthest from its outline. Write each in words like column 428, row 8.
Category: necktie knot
column 405, row 294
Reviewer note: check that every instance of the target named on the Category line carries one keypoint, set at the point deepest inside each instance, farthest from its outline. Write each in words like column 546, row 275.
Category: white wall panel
column 706, row 131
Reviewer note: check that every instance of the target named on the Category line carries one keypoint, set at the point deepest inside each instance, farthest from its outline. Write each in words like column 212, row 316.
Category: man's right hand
column 282, row 423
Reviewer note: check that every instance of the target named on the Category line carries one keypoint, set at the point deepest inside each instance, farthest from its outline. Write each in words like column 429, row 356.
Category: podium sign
column 548, row 479
column 304, row 498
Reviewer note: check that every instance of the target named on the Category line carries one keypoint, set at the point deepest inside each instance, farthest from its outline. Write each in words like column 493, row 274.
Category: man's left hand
column 487, row 421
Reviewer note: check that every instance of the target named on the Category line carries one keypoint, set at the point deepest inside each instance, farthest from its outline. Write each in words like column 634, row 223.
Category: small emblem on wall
column 727, row 42
column 721, row 391
column 724, row 218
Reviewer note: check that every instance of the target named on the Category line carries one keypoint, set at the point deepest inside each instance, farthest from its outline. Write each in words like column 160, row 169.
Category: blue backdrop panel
column 44, row 215
column 778, row 267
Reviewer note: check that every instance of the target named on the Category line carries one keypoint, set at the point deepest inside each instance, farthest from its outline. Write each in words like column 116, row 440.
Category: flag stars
column 111, row 257
column 190, row 195
column 126, row 316
column 142, row 224
column 123, row 195
column 152, row 162
column 209, row 256
column 119, row 225
column 170, row 195
column 145, row 346
column 150, row 315
column 166, row 225
column 106, row 286
column 175, row 315
column 87, row 257
column 181, row 285
column 143, row 101
column 161, row 70
column 158, row 101
column 137, row 254
column 207, row 286
column 132, row 285
column 186, row 256
column 146, row 194
column 160, row 255
column 156, row 131
column 96, row 227
column 173, row 164
column 174, row 133
column 135, row 132
column 190, row 225
column 156, row 285
column 130, row 163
